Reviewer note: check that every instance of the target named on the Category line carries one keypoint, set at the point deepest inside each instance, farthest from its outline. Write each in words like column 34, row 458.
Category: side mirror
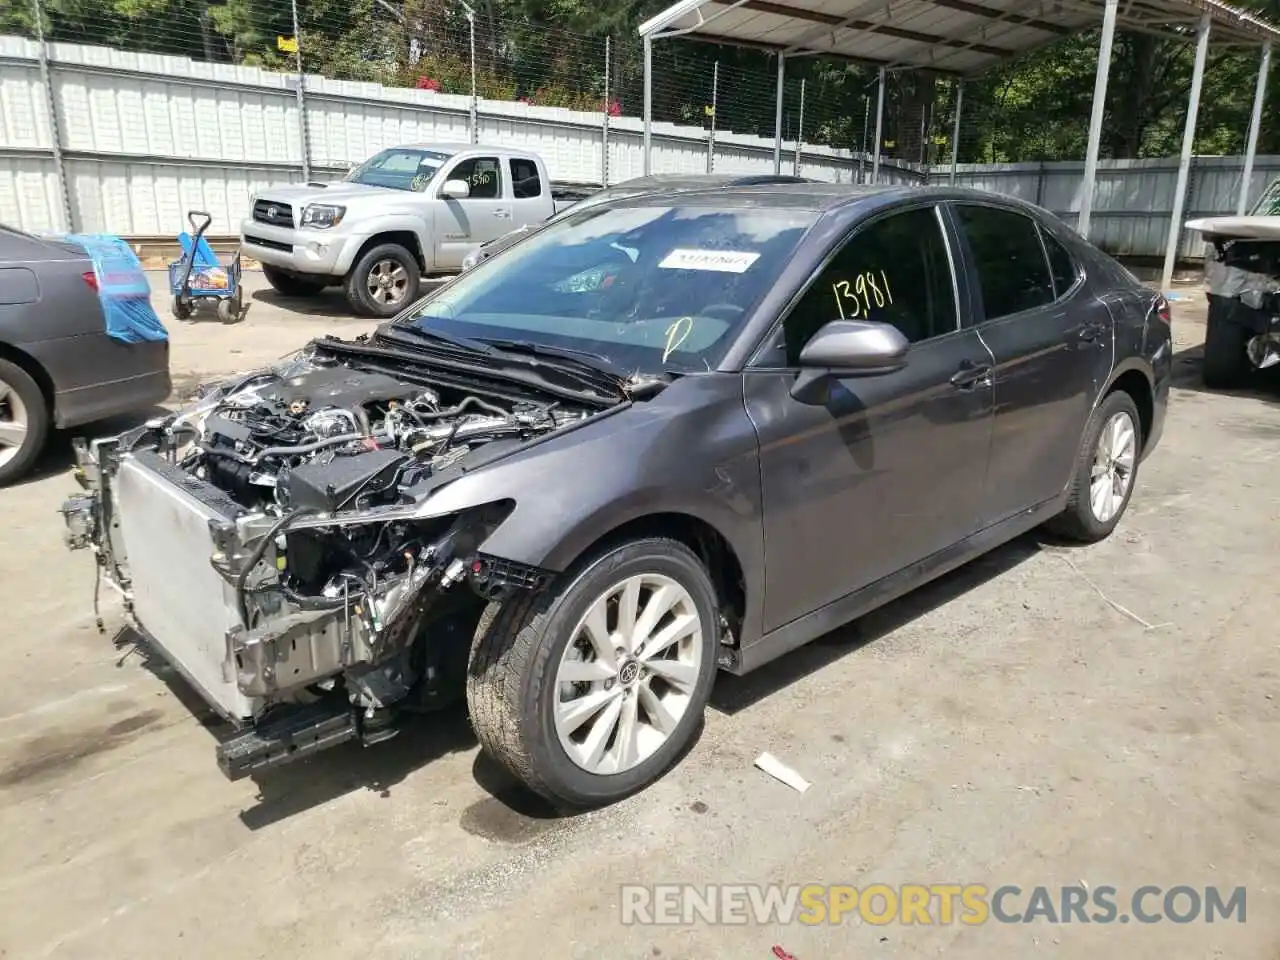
column 455, row 190
column 848, row 348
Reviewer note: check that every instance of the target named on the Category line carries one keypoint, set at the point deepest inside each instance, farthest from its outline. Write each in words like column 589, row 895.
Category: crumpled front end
column 279, row 549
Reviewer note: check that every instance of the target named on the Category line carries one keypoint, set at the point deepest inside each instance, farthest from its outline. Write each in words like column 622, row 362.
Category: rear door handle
column 504, row 214
column 969, row 374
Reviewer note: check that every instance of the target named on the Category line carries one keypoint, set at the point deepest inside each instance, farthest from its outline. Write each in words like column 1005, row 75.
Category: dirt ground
column 1045, row 716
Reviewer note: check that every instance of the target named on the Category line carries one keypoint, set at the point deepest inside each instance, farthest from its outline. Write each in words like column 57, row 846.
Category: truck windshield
column 399, row 168
column 651, row 288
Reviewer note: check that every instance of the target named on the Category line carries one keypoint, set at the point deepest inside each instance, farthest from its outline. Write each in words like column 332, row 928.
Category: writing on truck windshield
column 399, row 168
column 650, row 288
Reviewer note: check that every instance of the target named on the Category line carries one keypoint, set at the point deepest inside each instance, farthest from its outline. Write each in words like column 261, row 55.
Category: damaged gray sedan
column 661, row 437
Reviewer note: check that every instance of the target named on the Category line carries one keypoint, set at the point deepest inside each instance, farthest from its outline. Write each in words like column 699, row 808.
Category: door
column 483, row 215
column 530, row 194
column 891, row 468
column 1052, row 344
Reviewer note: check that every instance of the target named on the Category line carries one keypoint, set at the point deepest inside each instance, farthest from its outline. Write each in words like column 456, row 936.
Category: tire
column 1226, row 362
column 390, row 267
column 21, row 403
column 514, row 686
column 231, row 309
column 1080, row 521
column 291, row 285
column 181, row 310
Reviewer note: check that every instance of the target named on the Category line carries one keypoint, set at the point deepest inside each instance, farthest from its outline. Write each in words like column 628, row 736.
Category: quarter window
column 894, row 271
column 1012, row 271
column 1061, row 265
column 525, row 182
column 482, row 174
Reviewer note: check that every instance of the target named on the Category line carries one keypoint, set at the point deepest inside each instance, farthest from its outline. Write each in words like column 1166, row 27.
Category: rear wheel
column 24, row 422
column 591, row 690
column 290, row 284
column 1106, row 468
column 383, row 282
column 1226, row 359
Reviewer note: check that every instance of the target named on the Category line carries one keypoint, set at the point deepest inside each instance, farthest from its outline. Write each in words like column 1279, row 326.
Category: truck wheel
column 383, row 282
column 291, row 285
column 591, row 689
column 1226, row 361
column 24, row 422
column 1106, row 468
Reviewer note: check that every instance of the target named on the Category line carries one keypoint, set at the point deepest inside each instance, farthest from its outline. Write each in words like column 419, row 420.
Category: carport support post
column 875, row 157
column 1096, row 116
column 1184, row 161
column 955, row 133
column 648, row 104
column 303, row 126
column 1251, row 150
column 777, row 113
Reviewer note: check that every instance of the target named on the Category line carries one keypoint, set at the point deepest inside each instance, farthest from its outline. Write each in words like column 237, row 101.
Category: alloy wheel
column 14, row 421
column 388, row 282
column 628, row 674
column 1113, row 462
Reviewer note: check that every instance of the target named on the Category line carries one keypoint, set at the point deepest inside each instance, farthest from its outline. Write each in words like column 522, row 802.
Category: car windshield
column 648, row 288
column 400, row 168
column 1268, row 204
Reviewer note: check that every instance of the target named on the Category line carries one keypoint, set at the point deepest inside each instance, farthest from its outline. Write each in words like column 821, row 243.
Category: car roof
column 822, row 197
column 459, row 147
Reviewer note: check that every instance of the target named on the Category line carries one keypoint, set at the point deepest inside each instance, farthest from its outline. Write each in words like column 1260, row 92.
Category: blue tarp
column 123, row 289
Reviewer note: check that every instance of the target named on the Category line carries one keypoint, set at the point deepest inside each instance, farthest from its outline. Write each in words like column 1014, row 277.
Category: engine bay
column 335, row 438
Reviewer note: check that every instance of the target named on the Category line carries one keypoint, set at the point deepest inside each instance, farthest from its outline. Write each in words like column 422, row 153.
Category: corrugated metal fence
column 143, row 138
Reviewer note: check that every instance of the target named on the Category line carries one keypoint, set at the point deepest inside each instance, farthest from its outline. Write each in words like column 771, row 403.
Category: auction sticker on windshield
column 721, row 261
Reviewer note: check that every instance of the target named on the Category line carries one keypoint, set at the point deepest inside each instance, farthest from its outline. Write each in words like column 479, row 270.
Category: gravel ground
column 1045, row 716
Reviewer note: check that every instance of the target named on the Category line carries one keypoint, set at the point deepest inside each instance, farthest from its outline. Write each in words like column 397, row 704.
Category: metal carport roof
column 963, row 38
column 959, row 37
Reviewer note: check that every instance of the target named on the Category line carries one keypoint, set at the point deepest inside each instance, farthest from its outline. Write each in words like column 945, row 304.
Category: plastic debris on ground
column 123, row 289
column 781, row 772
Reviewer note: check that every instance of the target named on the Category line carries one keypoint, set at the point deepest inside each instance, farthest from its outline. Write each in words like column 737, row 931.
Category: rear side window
column 525, row 182
column 1012, row 271
column 1064, row 269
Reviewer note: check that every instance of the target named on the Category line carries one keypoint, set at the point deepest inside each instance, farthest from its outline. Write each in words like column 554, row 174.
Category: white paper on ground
column 781, row 772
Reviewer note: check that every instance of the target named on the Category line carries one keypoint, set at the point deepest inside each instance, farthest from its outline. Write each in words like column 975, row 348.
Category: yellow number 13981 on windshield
column 857, row 298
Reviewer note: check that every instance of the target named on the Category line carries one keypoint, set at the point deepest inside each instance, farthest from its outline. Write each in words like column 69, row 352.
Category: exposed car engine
column 336, row 438
column 277, row 537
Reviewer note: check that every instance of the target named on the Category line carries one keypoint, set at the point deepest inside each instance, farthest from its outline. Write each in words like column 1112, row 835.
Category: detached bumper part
column 289, row 734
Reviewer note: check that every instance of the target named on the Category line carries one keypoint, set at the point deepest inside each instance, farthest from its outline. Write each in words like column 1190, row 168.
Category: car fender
column 382, row 224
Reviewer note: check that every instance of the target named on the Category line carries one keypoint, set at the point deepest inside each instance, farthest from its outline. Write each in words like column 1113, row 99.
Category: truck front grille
column 272, row 212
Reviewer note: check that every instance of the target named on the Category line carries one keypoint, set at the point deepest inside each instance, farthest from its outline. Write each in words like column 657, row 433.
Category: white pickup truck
column 404, row 213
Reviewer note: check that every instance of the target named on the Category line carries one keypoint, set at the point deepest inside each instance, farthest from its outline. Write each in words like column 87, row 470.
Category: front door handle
column 504, row 214
column 969, row 374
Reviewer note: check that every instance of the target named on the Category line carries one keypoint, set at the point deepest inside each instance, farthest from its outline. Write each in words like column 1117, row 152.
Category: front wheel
column 590, row 690
column 383, row 282
column 1106, row 468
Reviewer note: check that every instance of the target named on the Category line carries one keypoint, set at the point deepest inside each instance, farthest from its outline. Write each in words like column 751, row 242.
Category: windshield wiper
column 465, row 344
column 594, row 361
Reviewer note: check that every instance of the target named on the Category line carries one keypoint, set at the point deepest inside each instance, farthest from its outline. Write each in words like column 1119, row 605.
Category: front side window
column 894, row 271
column 399, row 169
column 651, row 288
column 1012, row 271
column 482, row 176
